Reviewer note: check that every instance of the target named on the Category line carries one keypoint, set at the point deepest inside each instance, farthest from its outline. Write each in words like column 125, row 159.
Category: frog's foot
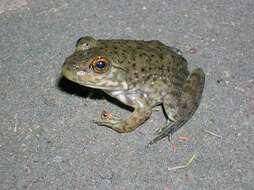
column 108, row 119
column 126, row 125
column 165, row 131
column 106, row 115
column 160, row 130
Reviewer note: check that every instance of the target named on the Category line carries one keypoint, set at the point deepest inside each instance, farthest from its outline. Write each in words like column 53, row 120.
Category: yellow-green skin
column 141, row 74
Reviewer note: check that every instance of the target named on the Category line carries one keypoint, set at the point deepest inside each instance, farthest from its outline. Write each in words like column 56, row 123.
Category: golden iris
column 100, row 64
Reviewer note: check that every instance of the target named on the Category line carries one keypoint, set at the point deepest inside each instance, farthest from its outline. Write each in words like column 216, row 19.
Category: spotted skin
column 140, row 74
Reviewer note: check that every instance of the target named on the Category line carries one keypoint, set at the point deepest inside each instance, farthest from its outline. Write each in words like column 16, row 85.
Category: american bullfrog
column 140, row 74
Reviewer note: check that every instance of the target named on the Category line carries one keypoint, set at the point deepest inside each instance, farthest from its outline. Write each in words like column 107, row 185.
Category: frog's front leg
column 142, row 111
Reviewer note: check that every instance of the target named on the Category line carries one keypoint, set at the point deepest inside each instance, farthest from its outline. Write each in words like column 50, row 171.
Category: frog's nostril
column 74, row 66
column 70, row 65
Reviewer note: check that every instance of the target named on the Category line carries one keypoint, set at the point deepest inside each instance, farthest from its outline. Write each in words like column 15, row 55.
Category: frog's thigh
column 181, row 110
column 189, row 100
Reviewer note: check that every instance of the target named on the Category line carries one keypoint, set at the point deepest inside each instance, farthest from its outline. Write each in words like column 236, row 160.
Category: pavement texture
column 47, row 136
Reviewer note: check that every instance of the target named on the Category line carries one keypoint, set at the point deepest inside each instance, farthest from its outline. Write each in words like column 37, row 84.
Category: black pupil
column 100, row 64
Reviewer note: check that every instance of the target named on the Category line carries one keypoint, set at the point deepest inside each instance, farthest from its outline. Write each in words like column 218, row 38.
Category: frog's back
column 150, row 57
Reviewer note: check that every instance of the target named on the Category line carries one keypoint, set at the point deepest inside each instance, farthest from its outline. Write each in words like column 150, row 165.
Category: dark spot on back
column 147, row 77
column 136, row 74
column 168, row 68
column 161, row 67
column 184, row 106
column 115, row 52
column 125, row 51
column 123, row 54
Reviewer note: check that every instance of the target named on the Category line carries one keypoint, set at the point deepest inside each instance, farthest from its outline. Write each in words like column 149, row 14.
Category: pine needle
column 212, row 133
column 183, row 166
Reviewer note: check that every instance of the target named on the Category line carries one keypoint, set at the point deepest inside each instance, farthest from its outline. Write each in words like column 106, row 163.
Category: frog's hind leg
column 183, row 109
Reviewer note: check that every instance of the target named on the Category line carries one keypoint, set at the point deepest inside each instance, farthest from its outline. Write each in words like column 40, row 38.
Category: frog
column 141, row 75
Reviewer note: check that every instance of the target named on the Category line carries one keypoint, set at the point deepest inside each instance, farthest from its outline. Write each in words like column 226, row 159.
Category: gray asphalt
column 47, row 136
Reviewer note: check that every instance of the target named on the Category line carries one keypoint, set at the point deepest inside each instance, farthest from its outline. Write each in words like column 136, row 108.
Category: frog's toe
column 116, row 124
column 159, row 137
column 105, row 115
column 156, row 139
column 107, row 122
column 164, row 128
column 107, row 119
column 165, row 131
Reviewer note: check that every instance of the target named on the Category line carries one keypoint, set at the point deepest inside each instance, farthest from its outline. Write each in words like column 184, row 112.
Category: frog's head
column 94, row 67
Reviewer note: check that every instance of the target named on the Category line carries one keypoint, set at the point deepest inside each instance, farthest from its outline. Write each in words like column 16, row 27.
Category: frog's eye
column 100, row 65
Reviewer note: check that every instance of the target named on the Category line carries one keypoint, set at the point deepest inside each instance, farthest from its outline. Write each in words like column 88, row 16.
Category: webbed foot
column 166, row 131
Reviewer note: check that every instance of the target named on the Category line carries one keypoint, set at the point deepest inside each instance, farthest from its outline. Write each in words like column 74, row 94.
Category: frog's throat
column 109, row 85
